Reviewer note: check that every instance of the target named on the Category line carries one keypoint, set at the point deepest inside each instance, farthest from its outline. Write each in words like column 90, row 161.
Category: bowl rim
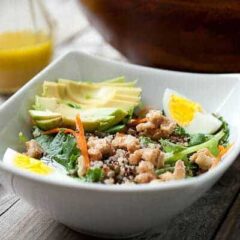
column 170, row 185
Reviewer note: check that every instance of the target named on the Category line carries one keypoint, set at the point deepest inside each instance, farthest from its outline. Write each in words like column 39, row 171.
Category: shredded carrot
column 57, row 130
column 136, row 121
column 223, row 150
column 81, row 140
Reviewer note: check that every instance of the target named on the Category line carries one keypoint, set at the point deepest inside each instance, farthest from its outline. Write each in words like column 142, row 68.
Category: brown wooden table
column 215, row 216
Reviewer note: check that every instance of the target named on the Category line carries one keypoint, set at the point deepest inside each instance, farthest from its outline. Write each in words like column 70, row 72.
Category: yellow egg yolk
column 182, row 110
column 32, row 165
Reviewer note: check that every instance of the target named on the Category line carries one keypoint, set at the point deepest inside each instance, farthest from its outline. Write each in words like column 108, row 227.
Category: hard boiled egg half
column 28, row 164
column 189, row 114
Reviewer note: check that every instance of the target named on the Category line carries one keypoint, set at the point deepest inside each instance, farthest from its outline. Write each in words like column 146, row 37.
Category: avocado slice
column 92, row 118
column 92, row 96
column 101, row 105
column 49, row 123
column 43, row 115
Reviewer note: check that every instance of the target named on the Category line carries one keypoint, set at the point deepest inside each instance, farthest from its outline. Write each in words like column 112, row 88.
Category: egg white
column 202, row 122
column 10, row 155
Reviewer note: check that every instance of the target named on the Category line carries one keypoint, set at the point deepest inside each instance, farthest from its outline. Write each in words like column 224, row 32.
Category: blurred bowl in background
column 185, row 35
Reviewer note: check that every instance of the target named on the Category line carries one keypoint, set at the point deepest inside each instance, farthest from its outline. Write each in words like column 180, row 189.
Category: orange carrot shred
column 81, row 140
column 57, row 130
column 223, row 150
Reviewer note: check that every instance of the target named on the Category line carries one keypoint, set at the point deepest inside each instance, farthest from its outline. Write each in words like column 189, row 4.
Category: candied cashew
column 127, row 141
column 98, row 147
column 34, row 150
column 153, row 155
column 204, row 159
column 135, row 157
column 179, row 172
column 157, row 125
column 145, row 167
column 144, row 177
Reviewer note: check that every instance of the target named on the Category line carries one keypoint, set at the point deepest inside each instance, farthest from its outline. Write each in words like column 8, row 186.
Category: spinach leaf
column 226, row 130
column 44, row 141
column 211, row 144
column 198, row 138
column 171, row 147
column 165, row 169
column 191, row 169
column 146, row 141
column 94, row 175
column 62, row 148
column 180, row 131
column 129, row 116
column 115, row 129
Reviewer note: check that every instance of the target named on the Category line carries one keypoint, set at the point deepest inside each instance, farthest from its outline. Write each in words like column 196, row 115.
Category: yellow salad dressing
column 22, row 55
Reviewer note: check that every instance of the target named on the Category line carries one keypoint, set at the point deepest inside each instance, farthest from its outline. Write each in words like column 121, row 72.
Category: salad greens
column 93, row 175
column 198, row 138
column 22, row 138
column 62, row 148
column 102, row 132
column 226, row 130
column 168, row 146
column 211, row 144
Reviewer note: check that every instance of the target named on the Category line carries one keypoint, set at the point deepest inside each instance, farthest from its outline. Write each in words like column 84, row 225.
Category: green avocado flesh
column 122, row 95
column 100, row 105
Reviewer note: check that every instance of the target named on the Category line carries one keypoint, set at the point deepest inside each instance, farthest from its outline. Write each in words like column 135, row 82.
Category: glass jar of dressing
column 25, row 42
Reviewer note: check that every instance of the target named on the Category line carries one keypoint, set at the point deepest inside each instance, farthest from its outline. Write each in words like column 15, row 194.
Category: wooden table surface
column 215, row 216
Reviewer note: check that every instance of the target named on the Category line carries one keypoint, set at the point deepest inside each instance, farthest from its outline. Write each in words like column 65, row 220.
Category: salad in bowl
column 103, row 132
column 115, row 158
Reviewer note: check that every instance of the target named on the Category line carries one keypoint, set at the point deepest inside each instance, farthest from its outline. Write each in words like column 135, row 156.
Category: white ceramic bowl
column 116, row 211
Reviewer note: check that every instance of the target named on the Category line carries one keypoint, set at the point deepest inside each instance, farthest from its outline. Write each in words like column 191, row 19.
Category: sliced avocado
column 43, row 115
column 92, row 118
column 50, row 89
column 42, row 103
column 128, row 98
column 81, row 88
column 92, row 96
column 49, row 123
column 125, row 105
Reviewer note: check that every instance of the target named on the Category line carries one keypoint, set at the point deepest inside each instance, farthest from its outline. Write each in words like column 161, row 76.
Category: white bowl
column 116, row 211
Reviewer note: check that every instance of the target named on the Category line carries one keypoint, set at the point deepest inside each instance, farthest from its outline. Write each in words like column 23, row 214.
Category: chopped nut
column 144, row 177
column 135, row 157
column 153, row 155
column 33, row 149
column 128, row 142
column 204, row 159
column 145, row 167
column 157, row 125
column 99, row 147
column 179, row 172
